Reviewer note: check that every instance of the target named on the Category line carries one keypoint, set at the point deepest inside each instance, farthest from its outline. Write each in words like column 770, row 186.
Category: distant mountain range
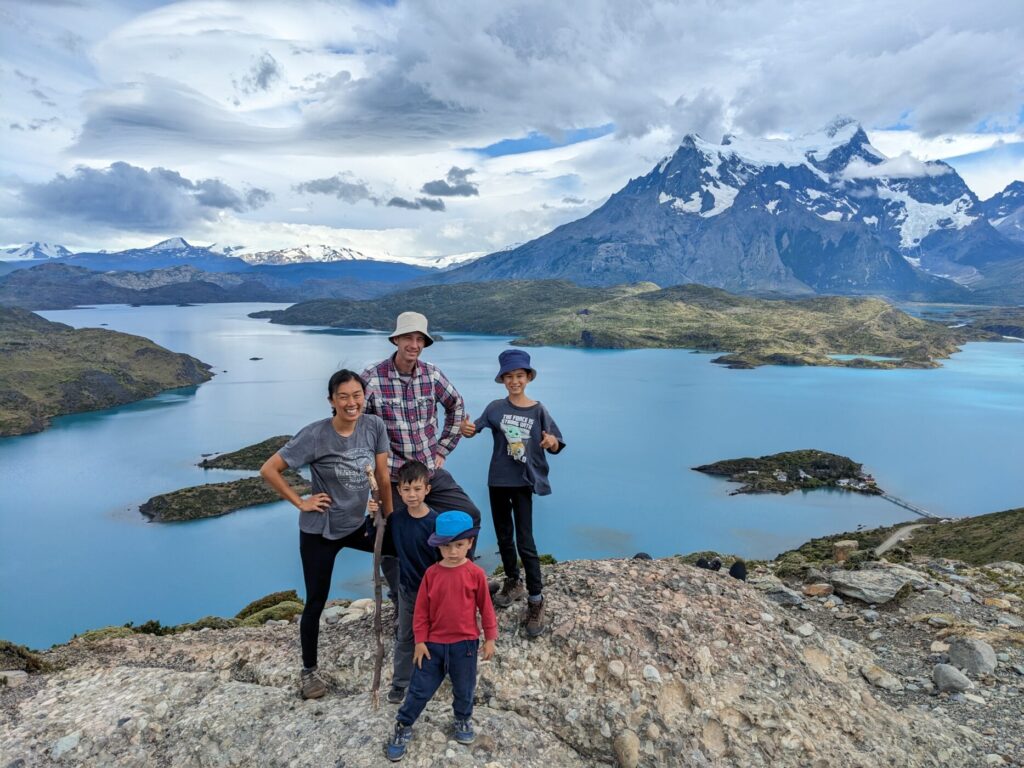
column 823, row 214
column 827, row 213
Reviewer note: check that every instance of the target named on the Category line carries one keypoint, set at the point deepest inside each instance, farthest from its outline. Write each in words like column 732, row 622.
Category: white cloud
column 904, row 166
column 259, row 95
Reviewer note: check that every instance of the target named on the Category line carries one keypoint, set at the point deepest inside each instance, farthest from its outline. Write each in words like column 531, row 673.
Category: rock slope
column 650, row 663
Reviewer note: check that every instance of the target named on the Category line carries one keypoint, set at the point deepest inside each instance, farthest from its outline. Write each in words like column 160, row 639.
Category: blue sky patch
column 535, row 142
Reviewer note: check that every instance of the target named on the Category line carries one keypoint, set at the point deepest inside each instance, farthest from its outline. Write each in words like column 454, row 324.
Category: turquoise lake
column 76, row 554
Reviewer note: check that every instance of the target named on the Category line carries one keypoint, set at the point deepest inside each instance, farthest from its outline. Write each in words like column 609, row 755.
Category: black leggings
column 318, row 555
column 512, row 511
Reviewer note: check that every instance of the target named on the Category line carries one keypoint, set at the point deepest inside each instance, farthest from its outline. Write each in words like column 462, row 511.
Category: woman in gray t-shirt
column 338, row 450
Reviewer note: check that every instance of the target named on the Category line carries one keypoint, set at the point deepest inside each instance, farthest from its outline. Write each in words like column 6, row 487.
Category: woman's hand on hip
column 318, row 502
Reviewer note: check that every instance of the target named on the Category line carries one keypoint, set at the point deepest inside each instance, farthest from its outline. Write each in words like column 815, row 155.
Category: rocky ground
column 653, row 663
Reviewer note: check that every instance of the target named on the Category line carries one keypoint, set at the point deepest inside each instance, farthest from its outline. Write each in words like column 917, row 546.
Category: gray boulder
column 975, row 656
column 875, row 587
column 948, row 678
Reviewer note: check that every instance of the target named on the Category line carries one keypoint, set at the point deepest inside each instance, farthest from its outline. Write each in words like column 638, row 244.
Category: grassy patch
column 755, row 331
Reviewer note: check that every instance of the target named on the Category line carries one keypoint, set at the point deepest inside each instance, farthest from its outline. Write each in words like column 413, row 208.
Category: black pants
column 318, row 553
column 445, row 495
column 512, row 511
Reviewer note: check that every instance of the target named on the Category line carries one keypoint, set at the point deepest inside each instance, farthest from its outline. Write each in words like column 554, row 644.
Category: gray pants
column 405, row 642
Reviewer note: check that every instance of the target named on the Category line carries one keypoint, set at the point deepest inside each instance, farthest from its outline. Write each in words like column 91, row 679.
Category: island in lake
column 752, row 332
column 215, row 499
column 50, row 369
column 794, row 471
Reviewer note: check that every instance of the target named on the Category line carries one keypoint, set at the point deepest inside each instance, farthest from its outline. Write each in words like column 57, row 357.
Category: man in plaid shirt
column 405, row 392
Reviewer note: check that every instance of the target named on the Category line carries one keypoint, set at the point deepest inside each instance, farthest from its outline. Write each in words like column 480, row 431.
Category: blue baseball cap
column 452, row 526
column 513, row 360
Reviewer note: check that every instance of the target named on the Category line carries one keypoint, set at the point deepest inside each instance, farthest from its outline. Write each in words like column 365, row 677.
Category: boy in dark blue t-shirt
column 410, row 529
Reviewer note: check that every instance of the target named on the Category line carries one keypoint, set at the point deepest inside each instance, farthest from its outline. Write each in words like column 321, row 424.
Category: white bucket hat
column 411, row 322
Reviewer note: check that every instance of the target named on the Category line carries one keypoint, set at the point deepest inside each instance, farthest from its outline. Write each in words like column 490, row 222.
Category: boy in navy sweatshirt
column 410, row 530
column 451, row 595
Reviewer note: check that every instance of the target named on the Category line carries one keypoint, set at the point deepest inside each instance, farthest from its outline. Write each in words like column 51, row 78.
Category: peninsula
column 216, row 499
column 50, row 369
column 803, row 470
column 750, row 331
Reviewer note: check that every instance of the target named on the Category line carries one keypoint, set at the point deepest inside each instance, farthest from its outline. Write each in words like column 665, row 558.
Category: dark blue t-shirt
column 517, row 459
column 410, row 536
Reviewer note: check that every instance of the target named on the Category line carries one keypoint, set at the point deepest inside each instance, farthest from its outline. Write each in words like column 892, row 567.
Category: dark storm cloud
column 430, row 204
column 342, row 186
column 129, row 197
column 456, row 184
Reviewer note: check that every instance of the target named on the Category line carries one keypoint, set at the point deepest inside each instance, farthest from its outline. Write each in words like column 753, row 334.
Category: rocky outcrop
column 651, row 663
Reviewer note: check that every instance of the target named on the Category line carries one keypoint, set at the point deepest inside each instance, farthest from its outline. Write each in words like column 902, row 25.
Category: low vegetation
column 251, row 457
column 49, row 369
column 792, row 471
column 215, row 499
column 975, row 540
column 751, row 331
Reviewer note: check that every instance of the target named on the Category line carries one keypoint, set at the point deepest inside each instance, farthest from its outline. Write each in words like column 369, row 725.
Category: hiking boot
column 510, row 591
column 313, row 686
column 534, row 618
column 396, row 695
column 399, row 740
column 464, row 731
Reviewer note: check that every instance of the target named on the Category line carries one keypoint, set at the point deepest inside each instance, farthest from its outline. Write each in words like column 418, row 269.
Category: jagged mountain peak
column 171, row 244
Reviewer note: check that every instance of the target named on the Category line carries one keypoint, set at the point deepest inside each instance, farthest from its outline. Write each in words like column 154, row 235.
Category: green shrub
column 105, row 633
column 18, row 657
column 209, row 622
column 268, row 601
column 287, row 609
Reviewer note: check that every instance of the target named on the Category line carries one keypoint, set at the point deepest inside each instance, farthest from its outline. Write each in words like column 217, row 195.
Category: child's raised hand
column 548, row 442
column 468, row 428
column 488, row 650
column 419, row 653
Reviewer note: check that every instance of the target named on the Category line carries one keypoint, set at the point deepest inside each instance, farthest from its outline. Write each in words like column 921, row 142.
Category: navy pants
column 457, row 661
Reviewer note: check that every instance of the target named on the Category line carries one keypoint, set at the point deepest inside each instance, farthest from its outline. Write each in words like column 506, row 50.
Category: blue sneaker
column 398, row 742
column 464, row 731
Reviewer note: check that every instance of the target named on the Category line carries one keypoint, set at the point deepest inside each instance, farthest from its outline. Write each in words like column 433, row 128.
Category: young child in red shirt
column 451, row 594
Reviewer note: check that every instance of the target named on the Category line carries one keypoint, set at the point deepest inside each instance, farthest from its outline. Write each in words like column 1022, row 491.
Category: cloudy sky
column 424, row 130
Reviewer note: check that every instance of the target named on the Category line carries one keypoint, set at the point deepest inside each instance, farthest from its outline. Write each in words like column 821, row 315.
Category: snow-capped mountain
column 824, row 213
column 303, row 254
column 34, row 251
column 1005, row 211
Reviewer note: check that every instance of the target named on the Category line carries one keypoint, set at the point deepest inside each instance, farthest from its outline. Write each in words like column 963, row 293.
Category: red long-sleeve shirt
column 447, row 604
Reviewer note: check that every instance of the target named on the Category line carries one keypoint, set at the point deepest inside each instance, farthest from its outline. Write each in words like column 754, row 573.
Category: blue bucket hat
column 452, row 526
column 512, row 360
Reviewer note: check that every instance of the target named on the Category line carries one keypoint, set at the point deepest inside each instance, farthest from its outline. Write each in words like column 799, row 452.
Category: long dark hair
column 342, row 377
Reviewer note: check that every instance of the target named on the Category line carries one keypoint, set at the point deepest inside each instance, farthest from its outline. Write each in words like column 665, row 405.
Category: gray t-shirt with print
column 337, row 466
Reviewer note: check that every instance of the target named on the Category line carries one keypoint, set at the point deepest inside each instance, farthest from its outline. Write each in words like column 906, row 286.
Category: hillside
column 646, row 663
column 976, row 540
column 754, row 331
column 50, row 369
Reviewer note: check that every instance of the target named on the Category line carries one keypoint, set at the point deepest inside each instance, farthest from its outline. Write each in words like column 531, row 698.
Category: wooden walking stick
column 378, row 542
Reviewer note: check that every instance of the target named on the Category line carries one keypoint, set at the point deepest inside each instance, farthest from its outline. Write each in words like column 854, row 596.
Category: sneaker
column 313, row 686
column 534, row 618
column 398, row 742
column 510, row 591
column 396, row 695
column 464, row 731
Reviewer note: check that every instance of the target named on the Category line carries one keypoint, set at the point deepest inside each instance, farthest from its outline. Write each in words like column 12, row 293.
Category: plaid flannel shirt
column 409, row 410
